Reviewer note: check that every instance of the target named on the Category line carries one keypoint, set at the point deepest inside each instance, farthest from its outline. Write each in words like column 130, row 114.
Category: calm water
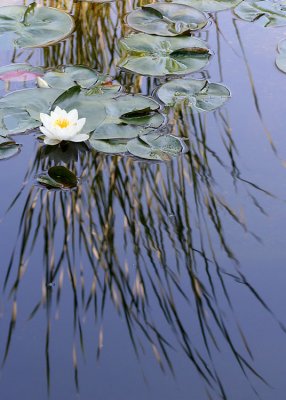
column 158, row 281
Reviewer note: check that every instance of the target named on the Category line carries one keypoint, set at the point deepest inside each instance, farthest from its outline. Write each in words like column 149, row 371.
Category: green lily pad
column 200, row 95
column 281, row 58
column 8, row 148
column 58, row 177
column 161, row 56
column 122, row 117
column 166, row 19
column 87, row 78
column 20, row 73
column 117, row 117
column 35, row 26
column 268, row 12
column 113, row 146
column 209, row 5
column 155, row 147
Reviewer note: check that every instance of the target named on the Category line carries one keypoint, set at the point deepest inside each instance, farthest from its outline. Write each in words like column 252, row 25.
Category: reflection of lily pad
column 281, row 58
column 161, row 56
column 200, row 95
column 20, row 72
column 166, row 19
column 8, row 148
column 86, row 78
column 271, row 14
column 155, row 147
column 35, row 26
column 209, row 5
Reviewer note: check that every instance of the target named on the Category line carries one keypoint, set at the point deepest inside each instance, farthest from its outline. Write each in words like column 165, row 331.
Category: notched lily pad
column 209, row 5
column 199, row 95
column 166, row 19
column 160, row 56
column 268, row 12
column 112, row 146
column 58, row 177
column 35, row 26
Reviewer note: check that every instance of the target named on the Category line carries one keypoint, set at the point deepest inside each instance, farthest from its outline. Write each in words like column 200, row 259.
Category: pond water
column 158, row 280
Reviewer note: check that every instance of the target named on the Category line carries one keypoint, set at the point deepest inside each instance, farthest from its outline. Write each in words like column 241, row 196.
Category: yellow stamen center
column 62, row 123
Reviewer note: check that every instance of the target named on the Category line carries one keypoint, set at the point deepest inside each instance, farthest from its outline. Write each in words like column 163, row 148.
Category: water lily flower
column 62, row 125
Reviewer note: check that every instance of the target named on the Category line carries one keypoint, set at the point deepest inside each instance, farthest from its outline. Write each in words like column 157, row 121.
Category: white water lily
column 62, row 125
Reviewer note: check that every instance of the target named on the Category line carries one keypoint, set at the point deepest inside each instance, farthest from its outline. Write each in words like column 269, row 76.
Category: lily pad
column 121, row 117
column 118, row 117
column 166, row 19
column 200, row 95
column 20, row 73
column 155, row 147
column 268, row 12
column 281, row 58
column 209, row 5
column 113, row 146
column 8, row 148
column 58, row 177
column 68, row 76
column 35, row 26
column 161, row 56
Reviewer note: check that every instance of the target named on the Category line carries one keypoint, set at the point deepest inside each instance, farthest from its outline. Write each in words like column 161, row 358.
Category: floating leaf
column 122, row 117
column 160, row 56
column 112, row 146
column 35, row 26
column 269, row 13
column 200, row 95
column 166, row 19
column 281, row 58
column 20, row 110
column 20, row 72
column 58, row 177
column 155, row 147
column 8, row 148
column 87, row 78
column 209, row 5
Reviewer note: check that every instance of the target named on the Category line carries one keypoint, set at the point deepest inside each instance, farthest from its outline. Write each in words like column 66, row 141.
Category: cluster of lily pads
column 83, row 104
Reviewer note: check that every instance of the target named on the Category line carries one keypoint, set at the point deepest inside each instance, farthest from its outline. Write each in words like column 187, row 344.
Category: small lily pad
column 166, row 19
column 161, row 56
column 268, row 12
column 58, row 177
column 199, row 95
column 8, row 148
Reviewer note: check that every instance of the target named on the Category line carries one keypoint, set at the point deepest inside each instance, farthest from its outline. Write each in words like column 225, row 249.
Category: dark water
column 158, row 281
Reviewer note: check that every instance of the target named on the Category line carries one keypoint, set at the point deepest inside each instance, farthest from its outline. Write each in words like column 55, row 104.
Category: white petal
column 45, row 118
column 79, row 138
column 51, row 142
column 80, row 123
column 46, row 132
column 73, row 116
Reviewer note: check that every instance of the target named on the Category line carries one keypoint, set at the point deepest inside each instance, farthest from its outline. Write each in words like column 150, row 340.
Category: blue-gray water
column 176, row 289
